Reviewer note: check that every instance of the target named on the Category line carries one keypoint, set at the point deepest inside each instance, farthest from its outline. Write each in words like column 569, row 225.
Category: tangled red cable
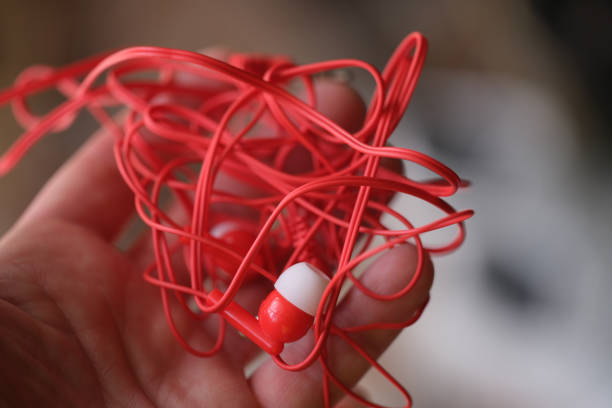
column 241, row 121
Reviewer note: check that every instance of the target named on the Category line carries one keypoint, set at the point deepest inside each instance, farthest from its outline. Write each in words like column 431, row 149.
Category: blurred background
column 514, row 96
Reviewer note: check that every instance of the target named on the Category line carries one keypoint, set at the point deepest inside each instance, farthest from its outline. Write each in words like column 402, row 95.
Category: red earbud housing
column 282, row 320
column 287, row 313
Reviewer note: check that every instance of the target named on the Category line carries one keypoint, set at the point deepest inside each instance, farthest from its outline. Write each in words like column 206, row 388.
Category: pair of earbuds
column 287, row 313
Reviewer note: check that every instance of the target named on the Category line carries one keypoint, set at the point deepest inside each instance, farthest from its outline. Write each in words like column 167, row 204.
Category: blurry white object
column 519, row 315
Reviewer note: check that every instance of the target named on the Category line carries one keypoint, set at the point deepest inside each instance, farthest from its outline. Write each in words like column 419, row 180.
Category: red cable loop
column 240, row 120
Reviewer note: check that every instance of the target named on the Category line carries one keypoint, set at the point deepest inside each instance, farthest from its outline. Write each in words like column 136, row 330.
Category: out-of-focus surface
column 513, row 96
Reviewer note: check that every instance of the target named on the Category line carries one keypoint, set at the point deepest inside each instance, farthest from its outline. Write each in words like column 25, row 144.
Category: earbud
column 286, row 313
column 239, row 239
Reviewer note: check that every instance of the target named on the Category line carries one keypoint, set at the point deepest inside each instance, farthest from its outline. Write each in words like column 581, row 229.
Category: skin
column 79, row 326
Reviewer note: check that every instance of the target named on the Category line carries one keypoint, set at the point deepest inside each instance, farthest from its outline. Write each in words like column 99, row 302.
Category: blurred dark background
column 515, row 96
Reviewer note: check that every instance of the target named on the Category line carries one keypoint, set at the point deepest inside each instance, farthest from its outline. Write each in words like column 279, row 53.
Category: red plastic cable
column 242, row 121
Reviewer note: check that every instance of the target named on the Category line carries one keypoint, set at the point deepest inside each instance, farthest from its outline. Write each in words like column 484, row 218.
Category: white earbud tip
column 302, row 285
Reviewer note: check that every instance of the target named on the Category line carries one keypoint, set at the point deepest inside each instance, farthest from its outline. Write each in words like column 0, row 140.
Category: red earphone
column 286, row 313
column 238, row 238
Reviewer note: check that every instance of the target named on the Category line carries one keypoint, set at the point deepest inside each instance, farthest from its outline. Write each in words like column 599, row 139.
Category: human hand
column 80, row 327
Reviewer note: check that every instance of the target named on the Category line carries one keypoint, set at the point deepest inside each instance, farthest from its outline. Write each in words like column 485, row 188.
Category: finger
column 340, row 103
column 389, row 273
column 348, row 402
column 87, row 190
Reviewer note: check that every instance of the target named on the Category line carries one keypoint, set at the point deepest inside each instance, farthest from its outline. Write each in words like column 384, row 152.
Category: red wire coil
column 179, row 139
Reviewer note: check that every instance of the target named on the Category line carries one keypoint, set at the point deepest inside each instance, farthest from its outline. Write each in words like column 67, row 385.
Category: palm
column 82, row 328
column 86, row 302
